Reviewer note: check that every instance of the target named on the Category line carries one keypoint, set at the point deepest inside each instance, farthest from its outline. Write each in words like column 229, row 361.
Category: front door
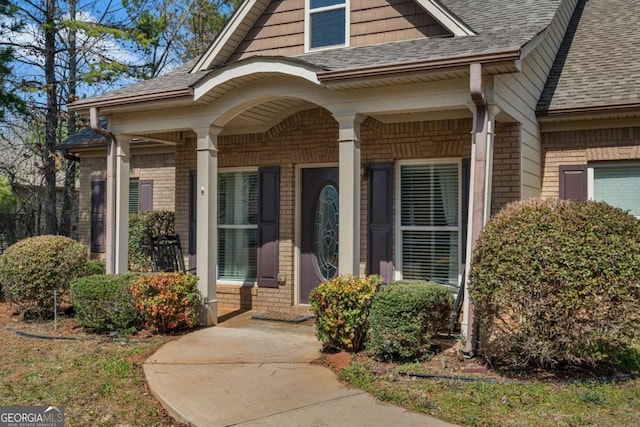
column 319, row 232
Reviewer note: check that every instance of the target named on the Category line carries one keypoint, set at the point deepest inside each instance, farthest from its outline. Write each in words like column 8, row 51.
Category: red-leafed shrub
column 168, row 301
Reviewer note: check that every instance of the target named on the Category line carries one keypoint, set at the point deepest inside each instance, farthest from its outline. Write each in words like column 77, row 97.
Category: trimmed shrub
column 341, row 307
column 93, row 267
column 556, row 284
column 33, row 268
column 405, row 316
column 143, row 225
column 103, row 303
column 168, row 301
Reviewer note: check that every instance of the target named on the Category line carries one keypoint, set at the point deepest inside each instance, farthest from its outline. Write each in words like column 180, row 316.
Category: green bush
column 405, row 316
column 31, row 269
column 143, row 225
column 103, row 303
column 341, row 307
column 556, row 284
column 93, row 267
column 168, row 301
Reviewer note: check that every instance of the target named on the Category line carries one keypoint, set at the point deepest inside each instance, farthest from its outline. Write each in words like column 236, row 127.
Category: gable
column 280, row 29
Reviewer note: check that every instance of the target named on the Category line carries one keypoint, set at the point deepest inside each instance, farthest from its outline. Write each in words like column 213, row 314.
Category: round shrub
column 32, row 268
column 341, row 307
column 556, row 284
column 404, row 316
column 103, row 303
column 168, row 301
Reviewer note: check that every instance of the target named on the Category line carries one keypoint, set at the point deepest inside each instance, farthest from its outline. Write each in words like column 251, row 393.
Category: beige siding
column 517, row 95
column 280, row 29
column 310, row 137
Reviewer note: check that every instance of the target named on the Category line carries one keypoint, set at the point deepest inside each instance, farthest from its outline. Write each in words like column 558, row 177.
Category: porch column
column 480, row 188
column 111, row 206
column 349, row 193
column 207, row 221
column 122, row 204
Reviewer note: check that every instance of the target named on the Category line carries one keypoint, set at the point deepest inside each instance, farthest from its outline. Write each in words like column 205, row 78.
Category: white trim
column 307, row 24
column 255, row 66
column 446, row 18
column 398, row 213
column 223, row 37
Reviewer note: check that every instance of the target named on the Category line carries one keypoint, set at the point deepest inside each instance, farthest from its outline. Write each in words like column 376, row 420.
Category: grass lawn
column 532, row 403
column 99, row 382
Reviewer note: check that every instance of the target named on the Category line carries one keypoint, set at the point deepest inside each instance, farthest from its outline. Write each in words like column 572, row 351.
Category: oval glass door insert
column 325, row 232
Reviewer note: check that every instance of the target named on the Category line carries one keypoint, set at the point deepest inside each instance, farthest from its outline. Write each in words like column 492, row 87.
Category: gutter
column 67, row 155
column 478, row 196
column 94, row 122
column 420, row 66
column 131, row 99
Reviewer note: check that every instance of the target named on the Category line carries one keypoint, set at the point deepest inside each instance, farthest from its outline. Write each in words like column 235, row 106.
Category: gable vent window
column 327, row 23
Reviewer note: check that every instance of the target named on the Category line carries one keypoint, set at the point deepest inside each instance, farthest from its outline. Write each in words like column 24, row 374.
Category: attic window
column 327, row 23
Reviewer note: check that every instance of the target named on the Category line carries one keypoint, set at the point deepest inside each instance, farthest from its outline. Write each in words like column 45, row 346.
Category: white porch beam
column 349, row 193
column 207, row 221
column 123, row 157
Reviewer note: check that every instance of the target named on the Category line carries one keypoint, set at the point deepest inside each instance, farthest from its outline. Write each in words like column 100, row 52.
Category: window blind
column 619, row 186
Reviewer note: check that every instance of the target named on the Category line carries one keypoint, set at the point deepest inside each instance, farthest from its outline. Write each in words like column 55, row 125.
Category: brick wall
column 157, row 167
column 309, row 137
column 582, row 147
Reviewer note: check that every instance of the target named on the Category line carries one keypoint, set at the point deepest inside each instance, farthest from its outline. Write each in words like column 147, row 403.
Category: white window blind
column 619, row 186
column 237, row 226
column 429, row 221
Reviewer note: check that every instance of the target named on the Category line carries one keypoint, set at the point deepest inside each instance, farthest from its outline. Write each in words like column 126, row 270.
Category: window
column 428, row 221
column 238, row 226
column 327, row 23
column 140, row 195
column 617, row 185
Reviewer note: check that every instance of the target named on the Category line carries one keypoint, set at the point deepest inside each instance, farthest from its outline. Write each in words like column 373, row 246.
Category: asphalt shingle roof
column 501, row 25
column 599, row 61
column 86, row 136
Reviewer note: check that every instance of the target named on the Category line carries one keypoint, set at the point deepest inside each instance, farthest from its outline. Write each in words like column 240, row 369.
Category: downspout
column 67, row 155
column 479, row 191
column 94, row 121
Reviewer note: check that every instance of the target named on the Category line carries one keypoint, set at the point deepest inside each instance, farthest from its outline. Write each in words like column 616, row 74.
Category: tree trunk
column 50, row 220
column 68, row 195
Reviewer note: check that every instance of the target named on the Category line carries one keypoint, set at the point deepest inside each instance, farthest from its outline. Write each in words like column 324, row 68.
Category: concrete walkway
column 247, row 372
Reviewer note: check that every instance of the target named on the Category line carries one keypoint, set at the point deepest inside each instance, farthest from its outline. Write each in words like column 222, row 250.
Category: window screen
column 619, row 186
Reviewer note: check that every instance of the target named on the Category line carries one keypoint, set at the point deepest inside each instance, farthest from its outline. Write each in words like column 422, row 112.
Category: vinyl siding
column 517, row 95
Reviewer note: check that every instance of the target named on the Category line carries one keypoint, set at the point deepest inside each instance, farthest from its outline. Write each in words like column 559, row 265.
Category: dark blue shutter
column 380, row 220
column 573, row 182
column 97, row 216
column 268, row 225
column 145, row 195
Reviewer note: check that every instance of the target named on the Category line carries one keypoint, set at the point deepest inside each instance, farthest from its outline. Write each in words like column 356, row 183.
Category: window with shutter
column 237, row 226
column 133, row 195
column 428, row 220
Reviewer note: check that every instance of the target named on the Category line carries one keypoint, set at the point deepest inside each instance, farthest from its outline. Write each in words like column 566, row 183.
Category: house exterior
column 356, row 137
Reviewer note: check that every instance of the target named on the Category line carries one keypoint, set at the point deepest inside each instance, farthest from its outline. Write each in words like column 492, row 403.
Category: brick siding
column 582, row 147
column 309, row 137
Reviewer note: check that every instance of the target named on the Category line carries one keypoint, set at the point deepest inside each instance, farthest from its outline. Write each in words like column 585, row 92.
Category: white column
column 349, row 193
column 207, row 221
column 111, row 206
column 122, row 203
